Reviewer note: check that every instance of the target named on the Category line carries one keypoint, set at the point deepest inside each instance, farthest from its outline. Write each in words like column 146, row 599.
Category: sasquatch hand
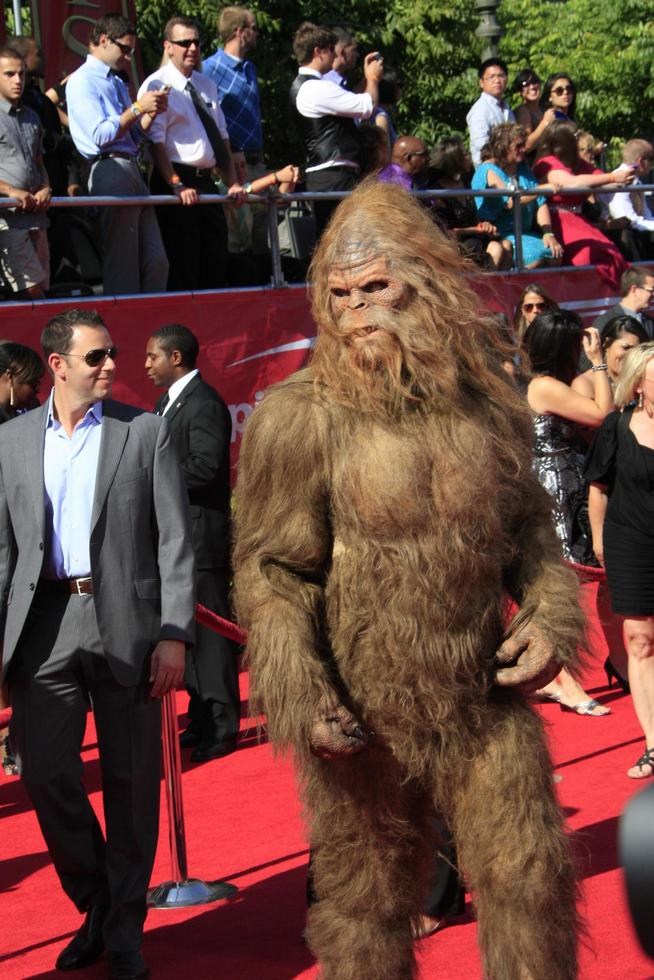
column 526, row 660
column 335, row 731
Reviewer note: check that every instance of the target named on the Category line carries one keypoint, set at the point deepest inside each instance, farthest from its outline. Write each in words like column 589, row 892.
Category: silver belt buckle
column 78, row 584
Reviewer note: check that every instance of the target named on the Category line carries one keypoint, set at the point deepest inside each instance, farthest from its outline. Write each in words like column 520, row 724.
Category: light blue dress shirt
column 96, row 99
column 485, row 114
column 69, row 469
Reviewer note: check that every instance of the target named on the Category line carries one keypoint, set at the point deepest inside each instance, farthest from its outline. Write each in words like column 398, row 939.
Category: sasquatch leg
column 371, row 839
column 512, row 847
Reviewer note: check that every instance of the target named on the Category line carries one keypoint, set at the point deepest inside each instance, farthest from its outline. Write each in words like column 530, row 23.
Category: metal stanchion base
column 182, row 894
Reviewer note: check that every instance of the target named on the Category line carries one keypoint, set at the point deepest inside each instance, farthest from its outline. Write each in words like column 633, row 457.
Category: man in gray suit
column 97, row 604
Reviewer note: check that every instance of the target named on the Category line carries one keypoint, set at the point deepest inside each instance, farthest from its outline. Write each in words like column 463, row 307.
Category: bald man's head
column 411, row 154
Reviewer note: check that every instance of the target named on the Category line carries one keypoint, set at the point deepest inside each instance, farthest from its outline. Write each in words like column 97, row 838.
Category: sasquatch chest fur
column 429, row 486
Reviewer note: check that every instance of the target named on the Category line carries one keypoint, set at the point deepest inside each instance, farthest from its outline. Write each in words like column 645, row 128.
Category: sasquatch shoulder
column 289, row 427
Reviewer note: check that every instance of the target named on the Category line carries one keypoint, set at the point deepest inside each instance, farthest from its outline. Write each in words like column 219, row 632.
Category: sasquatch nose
column 357, row 300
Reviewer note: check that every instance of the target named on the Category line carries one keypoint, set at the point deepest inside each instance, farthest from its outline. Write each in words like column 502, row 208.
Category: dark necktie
column 211, row 129
column 164, row 403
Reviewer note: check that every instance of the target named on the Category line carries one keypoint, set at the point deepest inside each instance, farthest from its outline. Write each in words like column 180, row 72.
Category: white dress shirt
column 621, row 206
column 177, row 387
column 322, row 97
column 180, row 128
column 486, row 113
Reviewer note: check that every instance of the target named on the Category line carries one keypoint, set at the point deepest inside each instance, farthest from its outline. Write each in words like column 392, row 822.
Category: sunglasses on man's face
column 529, row 307
column 188, row 42
column 96, row 356
column 125, row 48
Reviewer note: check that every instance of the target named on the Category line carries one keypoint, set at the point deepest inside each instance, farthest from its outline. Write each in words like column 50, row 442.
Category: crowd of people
column 100, row 608
column 195, row 127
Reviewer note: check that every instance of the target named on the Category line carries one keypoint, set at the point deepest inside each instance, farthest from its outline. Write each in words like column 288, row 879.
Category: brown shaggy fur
column 384, row 510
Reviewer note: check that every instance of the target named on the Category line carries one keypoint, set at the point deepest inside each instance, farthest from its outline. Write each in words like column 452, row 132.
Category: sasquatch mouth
column 364, row 332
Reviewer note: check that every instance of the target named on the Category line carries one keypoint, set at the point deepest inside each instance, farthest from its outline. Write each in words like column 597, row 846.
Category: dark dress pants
column 57, row 670
column 212, row 669
column 195, row 237
column 331, row 179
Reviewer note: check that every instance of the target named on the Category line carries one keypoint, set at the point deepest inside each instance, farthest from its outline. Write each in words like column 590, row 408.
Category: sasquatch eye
column 375, row 287
column 338, row 293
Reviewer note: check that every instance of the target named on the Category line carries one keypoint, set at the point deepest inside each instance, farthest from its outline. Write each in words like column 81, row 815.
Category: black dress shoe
column 87, row 944
column 213, row 750
column 189, row 739
column 128, row 965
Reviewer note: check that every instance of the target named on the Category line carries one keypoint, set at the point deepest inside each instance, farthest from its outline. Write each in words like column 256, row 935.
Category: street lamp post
column 489, row 28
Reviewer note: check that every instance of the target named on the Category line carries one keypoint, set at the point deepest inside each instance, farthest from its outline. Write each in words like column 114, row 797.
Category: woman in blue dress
column 506, row 168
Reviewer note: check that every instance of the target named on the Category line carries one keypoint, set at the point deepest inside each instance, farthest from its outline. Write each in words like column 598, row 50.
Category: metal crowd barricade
column 274, row 202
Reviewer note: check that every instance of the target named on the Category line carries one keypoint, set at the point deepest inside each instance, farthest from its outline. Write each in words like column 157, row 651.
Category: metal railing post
column 277, row 280
column 517, row 230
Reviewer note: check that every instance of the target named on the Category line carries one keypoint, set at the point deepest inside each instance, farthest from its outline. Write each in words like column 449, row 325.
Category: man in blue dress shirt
column 96, row 606
column 106, row 127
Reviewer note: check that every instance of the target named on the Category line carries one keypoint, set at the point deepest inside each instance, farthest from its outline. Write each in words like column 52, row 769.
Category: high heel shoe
column 613, row 675
column 7, row 760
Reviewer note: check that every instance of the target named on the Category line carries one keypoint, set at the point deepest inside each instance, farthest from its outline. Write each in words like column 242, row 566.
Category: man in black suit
column 637, row 291
column 201, row 428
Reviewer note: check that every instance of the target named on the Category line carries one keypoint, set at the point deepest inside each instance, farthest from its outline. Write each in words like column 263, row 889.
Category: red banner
column 252, row 338
column 62, row 30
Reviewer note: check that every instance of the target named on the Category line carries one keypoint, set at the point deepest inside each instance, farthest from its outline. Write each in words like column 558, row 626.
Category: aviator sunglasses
column 96, row 356
column 528, row 307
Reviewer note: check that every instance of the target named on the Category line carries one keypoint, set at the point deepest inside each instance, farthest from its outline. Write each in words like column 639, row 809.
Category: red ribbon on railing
column 216, row 623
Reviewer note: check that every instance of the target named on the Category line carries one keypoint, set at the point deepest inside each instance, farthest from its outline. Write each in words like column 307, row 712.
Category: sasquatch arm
column 549, row 616
column 281, row 557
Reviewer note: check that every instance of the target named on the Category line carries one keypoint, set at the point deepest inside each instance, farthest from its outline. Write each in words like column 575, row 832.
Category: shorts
column 24, row 258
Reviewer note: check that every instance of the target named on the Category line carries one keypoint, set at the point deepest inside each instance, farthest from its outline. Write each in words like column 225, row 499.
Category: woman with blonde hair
column 620, row 468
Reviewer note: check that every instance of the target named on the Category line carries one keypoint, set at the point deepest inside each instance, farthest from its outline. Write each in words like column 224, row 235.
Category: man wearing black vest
column 326, row 114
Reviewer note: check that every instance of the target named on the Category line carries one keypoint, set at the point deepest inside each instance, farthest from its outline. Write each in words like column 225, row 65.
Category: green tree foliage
column 606, row 45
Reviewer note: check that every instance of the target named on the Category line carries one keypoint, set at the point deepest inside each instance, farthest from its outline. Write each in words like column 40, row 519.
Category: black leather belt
column 182, row 168
column 117, row 154
column 68, row 586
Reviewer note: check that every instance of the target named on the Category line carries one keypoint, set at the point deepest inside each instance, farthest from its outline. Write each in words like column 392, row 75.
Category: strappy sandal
column 646, row 759
column 8, row 762
column 586, row 708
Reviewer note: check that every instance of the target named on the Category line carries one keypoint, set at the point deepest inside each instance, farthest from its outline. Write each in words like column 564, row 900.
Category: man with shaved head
column 408, row 163
column 386, row 512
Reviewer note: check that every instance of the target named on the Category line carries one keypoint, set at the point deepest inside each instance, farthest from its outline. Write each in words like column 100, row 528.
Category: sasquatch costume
column 386, row 509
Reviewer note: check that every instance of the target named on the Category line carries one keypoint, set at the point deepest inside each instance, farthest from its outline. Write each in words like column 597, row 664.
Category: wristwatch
column 136, row 109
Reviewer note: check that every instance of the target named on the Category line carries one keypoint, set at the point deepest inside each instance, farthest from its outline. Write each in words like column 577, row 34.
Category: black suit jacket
column 617, row 310
column 201, row 429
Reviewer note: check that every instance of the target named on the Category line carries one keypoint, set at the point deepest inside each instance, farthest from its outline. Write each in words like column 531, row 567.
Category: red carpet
column 243, row 824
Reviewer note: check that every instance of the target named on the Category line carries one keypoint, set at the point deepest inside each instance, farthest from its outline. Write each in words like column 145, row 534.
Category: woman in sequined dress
column 553, row 343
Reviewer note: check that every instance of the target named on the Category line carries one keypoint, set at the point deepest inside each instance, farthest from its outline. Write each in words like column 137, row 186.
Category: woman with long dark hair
column 553, row 343
column 620, row 468
column 529, row 113
column 560, row 95
column 559, row 163
column 533, row 301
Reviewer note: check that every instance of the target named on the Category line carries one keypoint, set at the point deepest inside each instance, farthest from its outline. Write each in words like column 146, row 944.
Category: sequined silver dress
column 558, row 462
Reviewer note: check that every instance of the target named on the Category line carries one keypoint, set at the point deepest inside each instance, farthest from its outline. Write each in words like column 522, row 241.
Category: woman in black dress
column 620, row 468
